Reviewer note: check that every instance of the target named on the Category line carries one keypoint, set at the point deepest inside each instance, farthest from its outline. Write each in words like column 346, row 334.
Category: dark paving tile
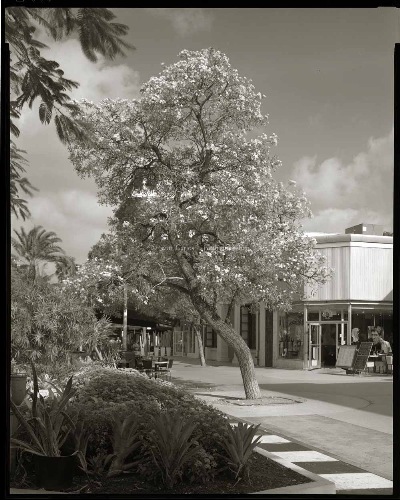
column 329, row 467
column 283, row 447
column 369, row 491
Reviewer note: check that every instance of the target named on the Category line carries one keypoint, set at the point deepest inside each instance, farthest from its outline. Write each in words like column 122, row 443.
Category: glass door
column 314, row 346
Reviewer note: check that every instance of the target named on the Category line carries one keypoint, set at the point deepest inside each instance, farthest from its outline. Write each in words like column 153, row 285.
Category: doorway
column 314, row 346
column 324, row 342
column 329, row 342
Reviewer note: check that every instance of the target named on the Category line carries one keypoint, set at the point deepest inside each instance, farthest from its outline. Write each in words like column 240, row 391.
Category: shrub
column 201, row 467
column 104, row 392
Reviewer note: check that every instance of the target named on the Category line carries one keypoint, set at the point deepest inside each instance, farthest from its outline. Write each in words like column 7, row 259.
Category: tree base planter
column 54, row 473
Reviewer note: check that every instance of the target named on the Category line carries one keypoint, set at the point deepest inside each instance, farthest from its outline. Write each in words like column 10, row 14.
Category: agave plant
column 98, row 464
column 80, row 436
column 47, row 425
column 239, row 446
column 125, row 440
column 172, row 445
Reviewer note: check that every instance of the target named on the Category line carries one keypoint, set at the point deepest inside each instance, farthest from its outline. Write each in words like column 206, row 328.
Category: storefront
column 359, row 295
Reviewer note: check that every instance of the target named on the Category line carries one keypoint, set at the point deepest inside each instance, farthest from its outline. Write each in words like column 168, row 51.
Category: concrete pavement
column 347, row 416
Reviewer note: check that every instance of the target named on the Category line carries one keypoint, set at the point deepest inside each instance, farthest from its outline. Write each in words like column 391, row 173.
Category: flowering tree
column 197, row 208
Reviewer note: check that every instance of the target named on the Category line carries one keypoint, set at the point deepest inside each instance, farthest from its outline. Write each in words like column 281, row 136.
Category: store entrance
column 324, row 342
column 329, row 335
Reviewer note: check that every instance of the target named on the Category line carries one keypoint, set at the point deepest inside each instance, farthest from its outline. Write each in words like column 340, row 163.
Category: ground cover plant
column 140, row 435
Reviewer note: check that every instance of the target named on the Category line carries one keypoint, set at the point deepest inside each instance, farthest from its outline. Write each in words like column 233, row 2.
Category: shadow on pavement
column 373, row 401
column 193, row 385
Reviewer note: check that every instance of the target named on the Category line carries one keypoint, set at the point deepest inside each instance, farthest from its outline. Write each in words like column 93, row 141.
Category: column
column 349, row 327
column 305, row 340
column 275, row 334
column 222, row 346
column 261, row 335
column 236, row 326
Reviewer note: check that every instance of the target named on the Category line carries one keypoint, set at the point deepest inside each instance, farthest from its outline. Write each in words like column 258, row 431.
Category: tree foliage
column 34, row 77
column 19, row 183
column 37, row 247
column 198, row 209
column 46, row 322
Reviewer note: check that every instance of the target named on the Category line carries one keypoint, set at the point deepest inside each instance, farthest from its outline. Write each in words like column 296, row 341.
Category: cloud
column 186, row 21
column 345, row 194
column 74, row 215
column 96, row 80
column 336, row 220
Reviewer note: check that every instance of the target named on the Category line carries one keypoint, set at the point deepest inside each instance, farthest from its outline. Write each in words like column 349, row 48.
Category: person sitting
column 379, row 346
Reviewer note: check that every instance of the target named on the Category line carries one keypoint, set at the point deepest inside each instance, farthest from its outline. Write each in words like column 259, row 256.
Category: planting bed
column 264, row 474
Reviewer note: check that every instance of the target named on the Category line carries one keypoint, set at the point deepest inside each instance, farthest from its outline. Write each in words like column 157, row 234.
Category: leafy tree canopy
column 197, row 207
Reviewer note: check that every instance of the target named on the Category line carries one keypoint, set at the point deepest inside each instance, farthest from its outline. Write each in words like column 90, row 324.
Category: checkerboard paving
column 347, row 478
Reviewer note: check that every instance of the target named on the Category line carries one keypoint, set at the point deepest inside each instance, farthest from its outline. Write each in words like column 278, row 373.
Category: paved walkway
column 340, row 440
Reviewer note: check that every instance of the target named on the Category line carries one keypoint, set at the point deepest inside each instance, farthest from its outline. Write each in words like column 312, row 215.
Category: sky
column 328, row 78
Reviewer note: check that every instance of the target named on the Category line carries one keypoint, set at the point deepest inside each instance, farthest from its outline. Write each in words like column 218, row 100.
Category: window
column 211, row 337
column 291, row 328
column 248, row 326
column 312, row 316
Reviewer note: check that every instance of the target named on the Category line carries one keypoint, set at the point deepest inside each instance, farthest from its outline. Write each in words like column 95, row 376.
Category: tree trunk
column 200, row 344
column 125, row 322
column 98, row 352
column 234, row 340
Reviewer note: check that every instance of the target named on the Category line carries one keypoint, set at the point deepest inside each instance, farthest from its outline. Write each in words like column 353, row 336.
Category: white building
column 360, row 294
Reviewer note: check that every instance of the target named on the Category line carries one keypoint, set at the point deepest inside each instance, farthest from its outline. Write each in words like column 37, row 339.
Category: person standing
column 355, row 336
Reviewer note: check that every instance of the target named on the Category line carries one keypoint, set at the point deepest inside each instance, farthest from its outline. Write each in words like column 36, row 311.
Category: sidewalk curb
column 318, row 486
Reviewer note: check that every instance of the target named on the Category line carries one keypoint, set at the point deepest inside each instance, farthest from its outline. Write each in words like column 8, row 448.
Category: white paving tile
column 358, row 480
column 304, row 456
column 273, row 439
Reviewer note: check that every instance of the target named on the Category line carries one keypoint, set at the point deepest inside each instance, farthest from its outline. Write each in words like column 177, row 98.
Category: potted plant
column 48, row 425
column 18, row 383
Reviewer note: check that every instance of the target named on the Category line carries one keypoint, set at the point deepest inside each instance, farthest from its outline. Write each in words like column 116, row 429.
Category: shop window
column 367, row 321
column 312, row 316
column 330, row 315
column 210, row 337
column 248, row 326
column 291, row 329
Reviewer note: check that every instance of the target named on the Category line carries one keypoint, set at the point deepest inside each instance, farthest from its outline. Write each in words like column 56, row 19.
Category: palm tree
column 65, row 267
column 37, row 247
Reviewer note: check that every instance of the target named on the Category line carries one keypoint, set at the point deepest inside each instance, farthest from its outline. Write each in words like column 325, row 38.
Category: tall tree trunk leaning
column 200, row 344
column 210, row 315
column 125, row 321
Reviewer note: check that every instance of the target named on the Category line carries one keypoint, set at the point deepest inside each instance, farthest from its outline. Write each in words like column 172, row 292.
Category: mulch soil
column 264, row 474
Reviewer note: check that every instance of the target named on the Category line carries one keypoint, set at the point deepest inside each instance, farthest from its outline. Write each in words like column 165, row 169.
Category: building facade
column 359, row 295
